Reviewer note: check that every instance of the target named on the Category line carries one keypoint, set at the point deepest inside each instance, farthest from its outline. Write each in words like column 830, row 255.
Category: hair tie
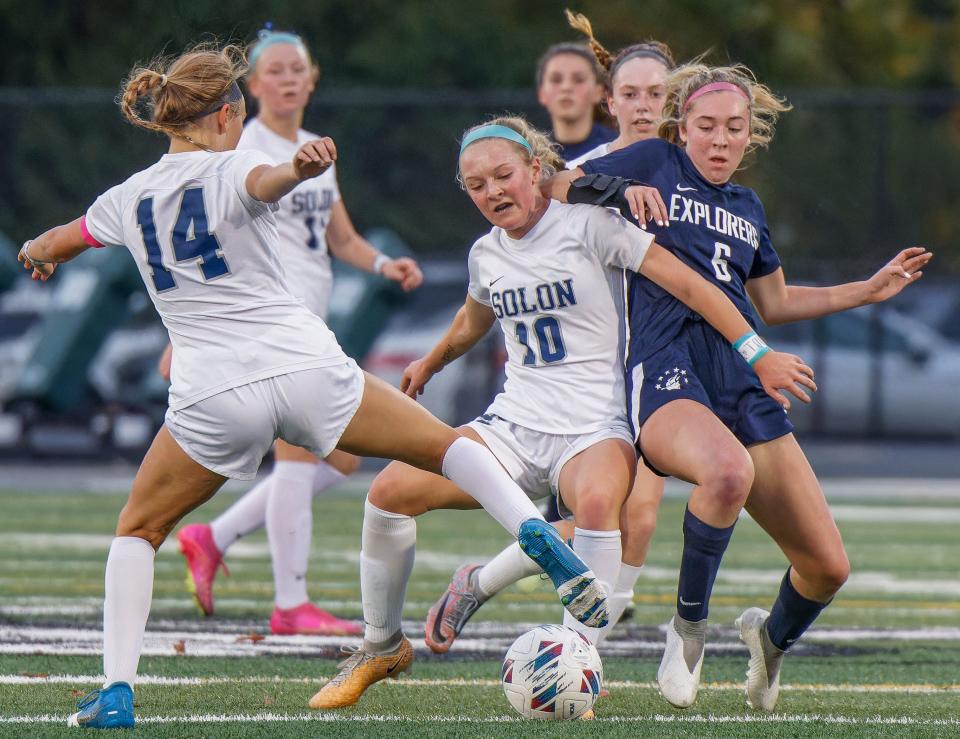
column 163, row 81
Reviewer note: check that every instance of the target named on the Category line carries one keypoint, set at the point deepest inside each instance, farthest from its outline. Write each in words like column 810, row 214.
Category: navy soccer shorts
column 701, row 365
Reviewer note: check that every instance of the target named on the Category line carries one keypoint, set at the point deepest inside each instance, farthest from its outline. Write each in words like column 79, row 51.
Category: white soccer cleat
column 678, row 680
column 763, row 672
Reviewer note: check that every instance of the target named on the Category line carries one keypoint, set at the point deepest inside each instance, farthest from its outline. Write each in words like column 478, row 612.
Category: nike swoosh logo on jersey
column 687, row 603
column 681, row 188
column 492, row 282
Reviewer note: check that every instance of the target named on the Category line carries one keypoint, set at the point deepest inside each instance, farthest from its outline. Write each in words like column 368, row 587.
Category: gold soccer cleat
column 358, row 672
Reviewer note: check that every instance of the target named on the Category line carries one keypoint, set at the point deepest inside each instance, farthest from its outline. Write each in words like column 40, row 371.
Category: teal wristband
column 751, row 347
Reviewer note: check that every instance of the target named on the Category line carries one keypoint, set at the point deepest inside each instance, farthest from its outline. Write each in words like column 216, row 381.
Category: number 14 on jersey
column 190, row 240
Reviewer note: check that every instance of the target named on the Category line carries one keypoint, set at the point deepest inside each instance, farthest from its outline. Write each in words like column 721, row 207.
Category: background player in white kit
column 310, row 218
column 552, row 276
column 253, row 364
column 636, row 91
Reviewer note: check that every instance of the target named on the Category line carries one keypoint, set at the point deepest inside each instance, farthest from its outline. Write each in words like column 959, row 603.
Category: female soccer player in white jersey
column 311, row 218
column 552, row 276
column 636, row 90
column 253, row 364
column 714, row 426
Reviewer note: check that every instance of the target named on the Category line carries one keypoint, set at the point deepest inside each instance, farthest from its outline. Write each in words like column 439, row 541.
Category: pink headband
column 715, row 87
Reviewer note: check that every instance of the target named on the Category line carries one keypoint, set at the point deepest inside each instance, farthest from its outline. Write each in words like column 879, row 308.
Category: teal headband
column 494, row 131
column 269, row 38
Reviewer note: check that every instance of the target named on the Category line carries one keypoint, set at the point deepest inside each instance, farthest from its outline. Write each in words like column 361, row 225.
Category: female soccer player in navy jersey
column 569, row 87
column 698, row 410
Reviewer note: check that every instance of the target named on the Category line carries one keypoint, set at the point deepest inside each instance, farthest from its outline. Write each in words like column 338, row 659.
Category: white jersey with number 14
column 208, row 254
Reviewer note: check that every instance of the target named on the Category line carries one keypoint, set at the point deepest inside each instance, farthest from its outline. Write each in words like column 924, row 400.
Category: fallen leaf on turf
column 253, row 637
column 267, row 700
column 76, row 693
column 180, row 647
column 35, row 674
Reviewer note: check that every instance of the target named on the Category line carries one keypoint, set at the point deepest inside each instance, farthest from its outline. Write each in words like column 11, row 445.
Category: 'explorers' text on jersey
column 557, row 293
column 718, row 230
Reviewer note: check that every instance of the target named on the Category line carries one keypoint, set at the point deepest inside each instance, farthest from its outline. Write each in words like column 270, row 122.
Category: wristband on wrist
column 26, row 254
column 751, row 347
column 379, row 263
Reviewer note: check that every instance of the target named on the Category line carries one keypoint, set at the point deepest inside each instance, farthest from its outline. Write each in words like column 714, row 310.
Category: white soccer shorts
column 230, row 432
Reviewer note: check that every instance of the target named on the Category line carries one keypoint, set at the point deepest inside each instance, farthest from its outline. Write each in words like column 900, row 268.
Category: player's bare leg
column 686, row 440
column 638, row 520
column 788, row 503
column 168, row 485
column 389, row 534
column 303, row 477
column 594, row 485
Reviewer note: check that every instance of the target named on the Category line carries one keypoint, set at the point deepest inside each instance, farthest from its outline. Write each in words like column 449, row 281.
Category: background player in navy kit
column 313, row 224
column 570, row 86
column 700, row 415
column 636, row 91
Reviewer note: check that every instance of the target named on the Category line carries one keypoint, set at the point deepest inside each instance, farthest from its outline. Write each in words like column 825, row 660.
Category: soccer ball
column 552, row 672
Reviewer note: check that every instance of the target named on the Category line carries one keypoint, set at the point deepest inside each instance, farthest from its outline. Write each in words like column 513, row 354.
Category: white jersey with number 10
column 557, row 293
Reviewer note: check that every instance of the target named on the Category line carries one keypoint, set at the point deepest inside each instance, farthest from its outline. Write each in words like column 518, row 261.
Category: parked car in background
column 879, row 372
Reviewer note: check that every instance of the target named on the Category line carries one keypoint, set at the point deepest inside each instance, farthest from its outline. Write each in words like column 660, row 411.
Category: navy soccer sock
column 791, row 616
column 703, row 548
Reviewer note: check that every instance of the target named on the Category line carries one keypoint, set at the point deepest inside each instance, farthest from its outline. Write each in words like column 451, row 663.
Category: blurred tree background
column 866, row 163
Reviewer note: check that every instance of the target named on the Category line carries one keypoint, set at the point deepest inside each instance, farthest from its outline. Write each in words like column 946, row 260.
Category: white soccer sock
column 325, row 477
column 387, row 549
column 474, row 469
column 508, row 567
column 289, row 530
column 601, row 552
column 128, row 590
column 620, row 598
column 245, row 516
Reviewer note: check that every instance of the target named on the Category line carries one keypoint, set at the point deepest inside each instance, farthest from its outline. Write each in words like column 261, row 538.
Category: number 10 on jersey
column 549, row 341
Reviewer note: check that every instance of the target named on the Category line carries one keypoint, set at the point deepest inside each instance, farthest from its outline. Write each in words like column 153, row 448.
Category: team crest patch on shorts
column 673, row 379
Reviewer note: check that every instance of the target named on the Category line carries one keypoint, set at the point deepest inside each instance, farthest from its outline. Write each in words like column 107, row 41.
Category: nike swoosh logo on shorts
column 492, row 282
column 681, row 188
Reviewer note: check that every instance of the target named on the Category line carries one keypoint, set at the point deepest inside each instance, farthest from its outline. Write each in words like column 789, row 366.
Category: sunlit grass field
column 883, row 660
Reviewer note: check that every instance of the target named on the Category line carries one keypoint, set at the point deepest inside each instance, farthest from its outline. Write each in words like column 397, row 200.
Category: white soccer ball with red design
column 552, row 672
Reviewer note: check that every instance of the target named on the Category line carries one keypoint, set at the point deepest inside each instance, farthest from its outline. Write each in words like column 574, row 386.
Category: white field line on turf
column 774, row 718
column 468, row 683
column 861, row 582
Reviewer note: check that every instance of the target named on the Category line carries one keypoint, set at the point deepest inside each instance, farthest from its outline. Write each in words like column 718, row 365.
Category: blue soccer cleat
column 580, row 592
column 108, row 708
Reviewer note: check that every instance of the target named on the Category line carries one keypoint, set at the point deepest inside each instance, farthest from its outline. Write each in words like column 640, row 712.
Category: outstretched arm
column 350, row 247
column 470, row 325
column 269, row 184
column 59, row 244
column 777, row 302
column 776, row 370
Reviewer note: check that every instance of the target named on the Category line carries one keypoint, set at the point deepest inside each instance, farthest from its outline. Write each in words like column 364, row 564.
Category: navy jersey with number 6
column 718, row 230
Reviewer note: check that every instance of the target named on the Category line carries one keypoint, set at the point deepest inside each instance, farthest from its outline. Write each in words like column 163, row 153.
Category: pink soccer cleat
column 203, row 559
column 308, row 619
column 450, row 614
